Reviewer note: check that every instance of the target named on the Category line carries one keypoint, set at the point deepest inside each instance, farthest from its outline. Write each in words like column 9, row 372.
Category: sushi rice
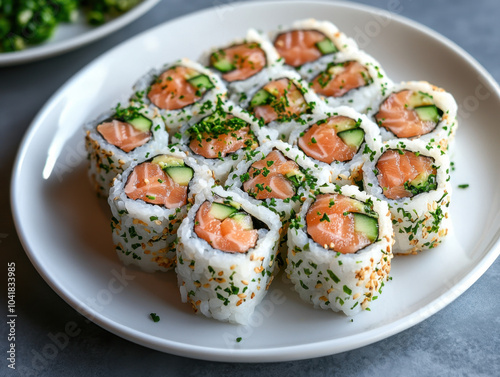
column 144, row 234
column 223, row 285
column 336, row 281
column 188, row 114
column 340, row 172
column 422, row 221
column 107, row 160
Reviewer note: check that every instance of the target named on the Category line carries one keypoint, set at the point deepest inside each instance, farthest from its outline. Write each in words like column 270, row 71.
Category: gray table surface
column 461, row 340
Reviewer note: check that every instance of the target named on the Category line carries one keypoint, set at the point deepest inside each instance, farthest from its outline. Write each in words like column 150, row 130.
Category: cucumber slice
column 424, row 182
column 243, row 219
column 141, row 123
column 336, row 69
column 181, row 175
column 296, row 177
column 343, row 123
column 418, row 99
column 223, row 65
column 429, row 113
column 353, row 138
column 262, row 97
column 201, row 82
column 234, row 204
column 167, row 161
column 221, row 211
column 366, row 225
column 420, row 180
column 326, row 46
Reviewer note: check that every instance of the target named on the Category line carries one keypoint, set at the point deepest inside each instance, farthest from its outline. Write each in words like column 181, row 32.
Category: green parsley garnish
column 155, row 317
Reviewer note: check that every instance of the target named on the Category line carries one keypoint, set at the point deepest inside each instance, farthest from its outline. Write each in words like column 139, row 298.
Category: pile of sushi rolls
column 336, row 142
column 221, row 138
column 281, row 101
column 182, row 92
column 414, row 178
column 226, row 255
column 340, row 249
column 148, row 202
column 242, row 64
column 308, row 43
column 351, row 78
column 119, row 137
column 417, row 109
column 291, row 147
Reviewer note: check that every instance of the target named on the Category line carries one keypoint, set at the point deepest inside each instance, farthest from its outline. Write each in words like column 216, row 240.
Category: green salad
column 29, row 22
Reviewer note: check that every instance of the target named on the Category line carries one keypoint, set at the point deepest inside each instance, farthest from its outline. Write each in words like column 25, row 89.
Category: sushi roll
column 351, row 78
column 242, row 63
column 226, row 255
column 181, row 92
column 336, row 142
column 340, row 249
column 281, row 102
column 414, row 178
column 274, row 174
column 221, row 139
column 148, row 202
column 119, row 137
column 417, row 109
column 309, row 43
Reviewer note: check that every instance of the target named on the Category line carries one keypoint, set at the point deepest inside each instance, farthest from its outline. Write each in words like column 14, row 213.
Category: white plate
column 65, row 229
column 70, row 36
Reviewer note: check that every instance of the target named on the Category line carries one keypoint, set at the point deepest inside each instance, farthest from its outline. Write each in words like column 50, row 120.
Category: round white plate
column 65, row 229
column 70, row 36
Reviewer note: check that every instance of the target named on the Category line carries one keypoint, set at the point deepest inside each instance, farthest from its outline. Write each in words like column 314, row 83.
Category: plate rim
column 43, row 51
column 288, row 353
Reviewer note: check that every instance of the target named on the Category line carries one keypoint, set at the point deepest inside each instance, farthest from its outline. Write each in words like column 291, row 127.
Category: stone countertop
column 463, row 339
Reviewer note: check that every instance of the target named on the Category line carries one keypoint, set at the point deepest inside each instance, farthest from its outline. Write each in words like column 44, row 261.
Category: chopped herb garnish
column 155, row 317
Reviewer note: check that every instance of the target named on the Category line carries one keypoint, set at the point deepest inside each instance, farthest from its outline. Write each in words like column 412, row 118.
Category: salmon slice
column 172, row 91
column 244, row 60
column 287, row 103
column 396, row 169
column 396, row 115
column 220, row 134
column 341, row 78
column 322, row 143
column 151, row 184
column 267, row 177
column 222, row 145
column 330, row 223
column 298, row 47
column 123, row 135
column 227, row 235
